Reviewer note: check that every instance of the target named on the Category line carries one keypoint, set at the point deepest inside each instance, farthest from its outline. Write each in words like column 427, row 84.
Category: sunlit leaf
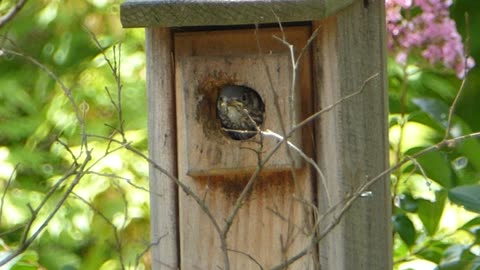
column 467, row 196
column 433, row 251
column 440, row 85
column 437, row 109
column 430, row 213
column 407, row 202
column 457, row 257
column 435, row 165
column 404, row 227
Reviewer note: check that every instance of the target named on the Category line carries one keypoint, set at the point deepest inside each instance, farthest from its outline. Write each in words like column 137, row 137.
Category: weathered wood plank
column 352, row 144
column 162, row 148
column 207, row 59
column 273, row 223
column 142, row 13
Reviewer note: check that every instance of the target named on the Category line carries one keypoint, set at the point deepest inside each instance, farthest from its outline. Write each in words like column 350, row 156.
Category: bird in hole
column 241, row 111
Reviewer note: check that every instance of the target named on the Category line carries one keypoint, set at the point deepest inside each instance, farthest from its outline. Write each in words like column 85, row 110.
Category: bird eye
column 244, row 97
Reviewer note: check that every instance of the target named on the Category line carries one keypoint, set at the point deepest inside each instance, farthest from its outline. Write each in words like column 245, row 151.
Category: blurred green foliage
column 109, row 226
column 105, row 223
column 436, row 196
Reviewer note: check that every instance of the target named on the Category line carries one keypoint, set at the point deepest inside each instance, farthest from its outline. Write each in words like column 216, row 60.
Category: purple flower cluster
column 425, row 26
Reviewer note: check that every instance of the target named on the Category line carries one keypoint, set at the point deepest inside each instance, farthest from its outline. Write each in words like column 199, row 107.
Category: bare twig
column 333, row 105
column 249, row 256
column 115, row 231
column 128, row 181
column 9, row 181
column 115, row 68
column 304, row 156
column 12, row 12
column 67, row 92
column 147, row 249
column 462, row 86
column 348, row 201
column 27, row 241
column 401, row 122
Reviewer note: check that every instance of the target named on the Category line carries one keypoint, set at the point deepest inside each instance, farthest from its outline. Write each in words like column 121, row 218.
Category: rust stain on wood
column 206, row 95
column 233, row 185
column 272, row 222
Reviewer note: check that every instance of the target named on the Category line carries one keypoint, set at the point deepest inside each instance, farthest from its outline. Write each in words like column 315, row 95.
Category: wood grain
column 352, row 144
column 273, row 223
column 147, row 13
column 162, row 148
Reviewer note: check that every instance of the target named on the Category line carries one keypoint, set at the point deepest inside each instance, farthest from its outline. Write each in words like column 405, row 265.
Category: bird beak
column 235, row 103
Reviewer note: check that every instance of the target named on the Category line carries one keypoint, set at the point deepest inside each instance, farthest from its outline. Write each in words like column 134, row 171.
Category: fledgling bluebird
column 241, row 111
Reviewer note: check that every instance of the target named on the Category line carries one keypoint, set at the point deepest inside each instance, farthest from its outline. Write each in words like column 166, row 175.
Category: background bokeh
column 104, row 224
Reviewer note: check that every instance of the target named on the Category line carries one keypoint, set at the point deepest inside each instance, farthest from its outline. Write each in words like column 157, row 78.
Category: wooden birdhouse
column 304, row 189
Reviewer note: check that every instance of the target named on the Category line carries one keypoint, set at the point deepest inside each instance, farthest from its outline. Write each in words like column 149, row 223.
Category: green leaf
column 26, row 261
column 438, row 111
column 440, row 85
column 435, row 108
column 470, row 148
column 430, row 213
column 435, row 165
column 433, row 251
column 473, row 227
column 475, row 263
column 473, row 223
column 457, row 257
column 466, row 196
column 404, row 227
column 425, row 119
column 408, row 203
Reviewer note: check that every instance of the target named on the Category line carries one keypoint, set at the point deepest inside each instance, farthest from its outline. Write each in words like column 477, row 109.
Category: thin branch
column 420, row 168
column 349, row 200
column 249, row 256
column 114, row 176
column 241, row 198
column 75, row 170
column 12, row 12
column 292, row 102
column 9, row 181
column 333, row 105
column 26, row 242
column 462, row 86
column 67, row 91
column 308, row 159
column 118, row 241
column 115, row 68
column 147, row 249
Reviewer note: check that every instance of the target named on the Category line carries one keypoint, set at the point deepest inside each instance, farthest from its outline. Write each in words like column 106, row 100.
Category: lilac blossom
column 424, row 26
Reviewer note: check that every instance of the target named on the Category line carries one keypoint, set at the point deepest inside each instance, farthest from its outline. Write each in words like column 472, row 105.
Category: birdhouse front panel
column 254, row 68
column 231, row 85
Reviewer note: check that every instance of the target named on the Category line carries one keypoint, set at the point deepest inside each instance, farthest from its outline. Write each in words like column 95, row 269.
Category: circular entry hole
column 241, row 111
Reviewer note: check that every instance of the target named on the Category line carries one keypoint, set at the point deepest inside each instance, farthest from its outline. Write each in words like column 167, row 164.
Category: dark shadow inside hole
column 241, row 111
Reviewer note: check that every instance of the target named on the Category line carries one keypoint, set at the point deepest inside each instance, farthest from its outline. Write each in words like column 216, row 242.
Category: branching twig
column 115, row 68
column 66, row 90
column 27, row 241
column 248, row 256
column 116, row 235
column 349, row 200
column 304, row 156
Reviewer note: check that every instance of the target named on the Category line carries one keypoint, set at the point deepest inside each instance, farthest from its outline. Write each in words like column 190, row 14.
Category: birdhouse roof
column 179, row 13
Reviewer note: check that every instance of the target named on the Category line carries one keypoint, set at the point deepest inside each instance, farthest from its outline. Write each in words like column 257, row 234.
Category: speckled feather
column 240, row 108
